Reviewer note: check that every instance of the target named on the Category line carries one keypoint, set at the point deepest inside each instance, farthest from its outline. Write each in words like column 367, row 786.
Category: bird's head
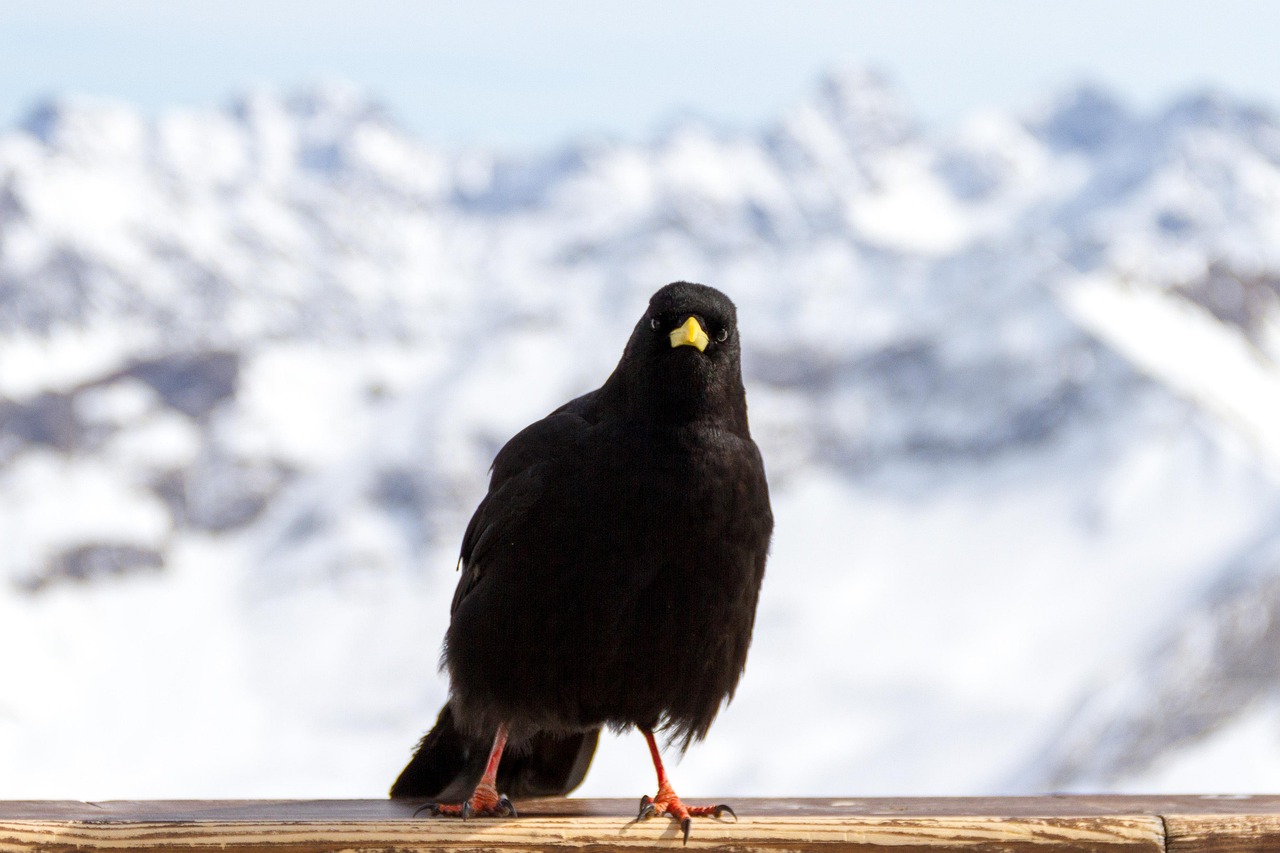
column 693, row 316
column 683, row 358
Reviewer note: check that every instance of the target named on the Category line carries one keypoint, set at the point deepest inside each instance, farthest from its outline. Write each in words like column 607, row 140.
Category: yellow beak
column 690, row 334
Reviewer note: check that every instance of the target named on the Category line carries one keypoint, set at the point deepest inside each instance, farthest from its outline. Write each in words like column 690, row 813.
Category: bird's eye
column 722, row 335
column 654, row 324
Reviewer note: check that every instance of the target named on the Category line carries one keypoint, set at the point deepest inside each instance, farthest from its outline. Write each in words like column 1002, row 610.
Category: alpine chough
column 609, row 576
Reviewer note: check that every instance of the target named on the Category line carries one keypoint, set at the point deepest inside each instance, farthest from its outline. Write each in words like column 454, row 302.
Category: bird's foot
column 667, row 803
column 485, row 802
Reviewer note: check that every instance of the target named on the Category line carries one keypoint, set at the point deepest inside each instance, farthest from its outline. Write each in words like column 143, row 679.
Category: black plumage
column 610, row 575
column 448, row 764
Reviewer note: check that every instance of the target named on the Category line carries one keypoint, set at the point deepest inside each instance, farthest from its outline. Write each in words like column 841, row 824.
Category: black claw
column 686, row 825
column 722, row 809
column 466, row 809
column 505, row 808
column 646, row 809
column 432, row 809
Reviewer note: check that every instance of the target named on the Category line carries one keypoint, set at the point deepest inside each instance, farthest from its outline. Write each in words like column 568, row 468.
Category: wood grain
column 902, row 834
column 1149, row 824
column 1222, row 833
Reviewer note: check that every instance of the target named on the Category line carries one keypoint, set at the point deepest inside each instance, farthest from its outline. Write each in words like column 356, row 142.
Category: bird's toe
column 647, row 808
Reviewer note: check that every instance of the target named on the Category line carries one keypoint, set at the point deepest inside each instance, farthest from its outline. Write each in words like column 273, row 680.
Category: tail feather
column 447, row 764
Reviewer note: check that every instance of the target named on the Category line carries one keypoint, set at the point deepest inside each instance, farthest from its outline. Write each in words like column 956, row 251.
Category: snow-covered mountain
column 1017, row 385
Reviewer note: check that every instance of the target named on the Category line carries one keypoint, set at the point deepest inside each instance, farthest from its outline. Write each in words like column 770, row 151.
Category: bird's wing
column 518, row 474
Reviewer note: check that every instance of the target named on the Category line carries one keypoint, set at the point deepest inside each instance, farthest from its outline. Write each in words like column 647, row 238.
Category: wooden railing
column 1189, row 824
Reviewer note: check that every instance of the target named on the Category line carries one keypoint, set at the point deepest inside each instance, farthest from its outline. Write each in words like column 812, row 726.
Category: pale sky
column 521, row 73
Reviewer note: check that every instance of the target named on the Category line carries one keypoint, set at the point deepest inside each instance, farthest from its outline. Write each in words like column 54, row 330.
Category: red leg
column 485, row 800
column 666, row 802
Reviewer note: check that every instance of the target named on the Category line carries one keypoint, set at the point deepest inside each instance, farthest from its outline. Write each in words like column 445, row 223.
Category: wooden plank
column 1039, row 824
column 601, row 834
column 1222, row 833
column 1102, row 823
column 1072, row 805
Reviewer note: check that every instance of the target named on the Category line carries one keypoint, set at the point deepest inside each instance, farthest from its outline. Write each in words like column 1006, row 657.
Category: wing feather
column 519, row 471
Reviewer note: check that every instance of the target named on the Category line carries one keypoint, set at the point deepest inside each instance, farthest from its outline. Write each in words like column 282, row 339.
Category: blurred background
column 278, row 278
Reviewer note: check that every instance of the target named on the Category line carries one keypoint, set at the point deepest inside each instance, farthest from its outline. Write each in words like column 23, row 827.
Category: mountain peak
column 1087, row 117
column 336, row 99
column 90, row 126
column 865, row 106
column 325, row 127
column 325, row 105
column 853, row 113
column 1217, row 109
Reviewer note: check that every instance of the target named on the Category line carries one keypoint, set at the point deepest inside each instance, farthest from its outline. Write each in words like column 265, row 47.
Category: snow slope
column 1014, row 384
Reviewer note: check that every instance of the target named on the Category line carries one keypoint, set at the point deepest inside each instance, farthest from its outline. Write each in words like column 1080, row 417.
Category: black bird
column 609, row 576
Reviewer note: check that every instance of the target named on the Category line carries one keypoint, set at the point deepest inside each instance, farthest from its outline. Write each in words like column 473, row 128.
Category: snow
column 1190, row 352
column 1013, row 461
column 914, row 213
column 1240, row 759
column 49, row 500
column 32, row 363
